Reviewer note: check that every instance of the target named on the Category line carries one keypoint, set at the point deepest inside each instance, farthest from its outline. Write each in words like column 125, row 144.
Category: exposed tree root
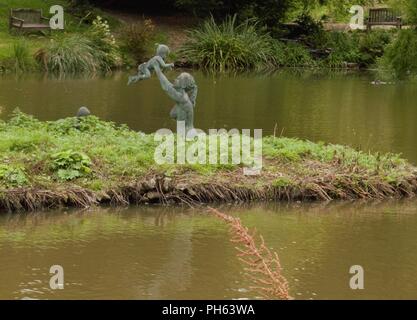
column 191, row 190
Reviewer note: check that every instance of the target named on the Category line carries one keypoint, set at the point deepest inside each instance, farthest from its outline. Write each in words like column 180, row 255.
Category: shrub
column 135, row 38
column 228, row 45
column 372, row 46
column 400, row 57
column 104, row 42
column 70, row 165
column 343, row 49
column 292, row 55
column 70, row 55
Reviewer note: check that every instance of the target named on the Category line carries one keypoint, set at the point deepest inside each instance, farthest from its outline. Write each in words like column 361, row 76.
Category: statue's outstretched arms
column 167, row 86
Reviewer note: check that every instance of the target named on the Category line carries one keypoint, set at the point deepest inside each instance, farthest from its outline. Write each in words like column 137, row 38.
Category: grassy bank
column 84, row 162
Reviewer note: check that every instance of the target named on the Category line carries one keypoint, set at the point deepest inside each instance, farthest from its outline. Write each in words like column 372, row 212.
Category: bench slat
column 383, row 16
column 27, row 19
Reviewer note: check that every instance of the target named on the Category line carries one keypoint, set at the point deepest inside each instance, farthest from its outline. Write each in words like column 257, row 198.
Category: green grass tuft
column 228, row 45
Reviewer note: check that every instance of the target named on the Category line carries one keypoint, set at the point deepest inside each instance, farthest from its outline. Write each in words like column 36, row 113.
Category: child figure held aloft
column 144, row 70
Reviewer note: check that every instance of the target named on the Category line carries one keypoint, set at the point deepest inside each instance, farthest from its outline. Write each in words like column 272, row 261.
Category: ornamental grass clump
column 89, row 53
column 228, row 45
column 69, row 55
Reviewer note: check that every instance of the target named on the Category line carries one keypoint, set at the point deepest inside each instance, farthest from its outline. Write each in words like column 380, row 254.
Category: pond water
column 179, row 253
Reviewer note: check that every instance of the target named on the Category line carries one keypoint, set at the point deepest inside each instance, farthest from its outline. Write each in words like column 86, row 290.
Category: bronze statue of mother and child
column 183, row 91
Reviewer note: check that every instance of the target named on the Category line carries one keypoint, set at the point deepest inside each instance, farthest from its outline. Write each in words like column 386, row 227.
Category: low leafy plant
column 70, row 165
column 90, row 124
column 20, row 119
column 282, row 182
column 12, row 176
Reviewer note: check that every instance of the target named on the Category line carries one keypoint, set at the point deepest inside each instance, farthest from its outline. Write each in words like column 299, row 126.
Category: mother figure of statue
column 184, row 93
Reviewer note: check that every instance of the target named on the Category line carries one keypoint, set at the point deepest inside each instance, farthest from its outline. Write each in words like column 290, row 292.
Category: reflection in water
column 338, row 108
column 175, row 253
column 176, row 273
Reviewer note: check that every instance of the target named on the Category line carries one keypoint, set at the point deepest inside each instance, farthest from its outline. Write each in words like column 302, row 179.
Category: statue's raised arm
column 184, row 92
column 167, row 86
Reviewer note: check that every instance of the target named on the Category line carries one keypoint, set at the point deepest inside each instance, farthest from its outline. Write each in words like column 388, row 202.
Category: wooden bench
column 28, row 19
column 383, row 17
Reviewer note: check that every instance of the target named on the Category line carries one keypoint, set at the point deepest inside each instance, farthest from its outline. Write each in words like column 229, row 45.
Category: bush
column 104, row 42
column 344, row 49
column 135, row 38
column 357, row 47
column 70, row 165
column 292, row 55
column 228, row 45
column 400, row 57
column 372, row 46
